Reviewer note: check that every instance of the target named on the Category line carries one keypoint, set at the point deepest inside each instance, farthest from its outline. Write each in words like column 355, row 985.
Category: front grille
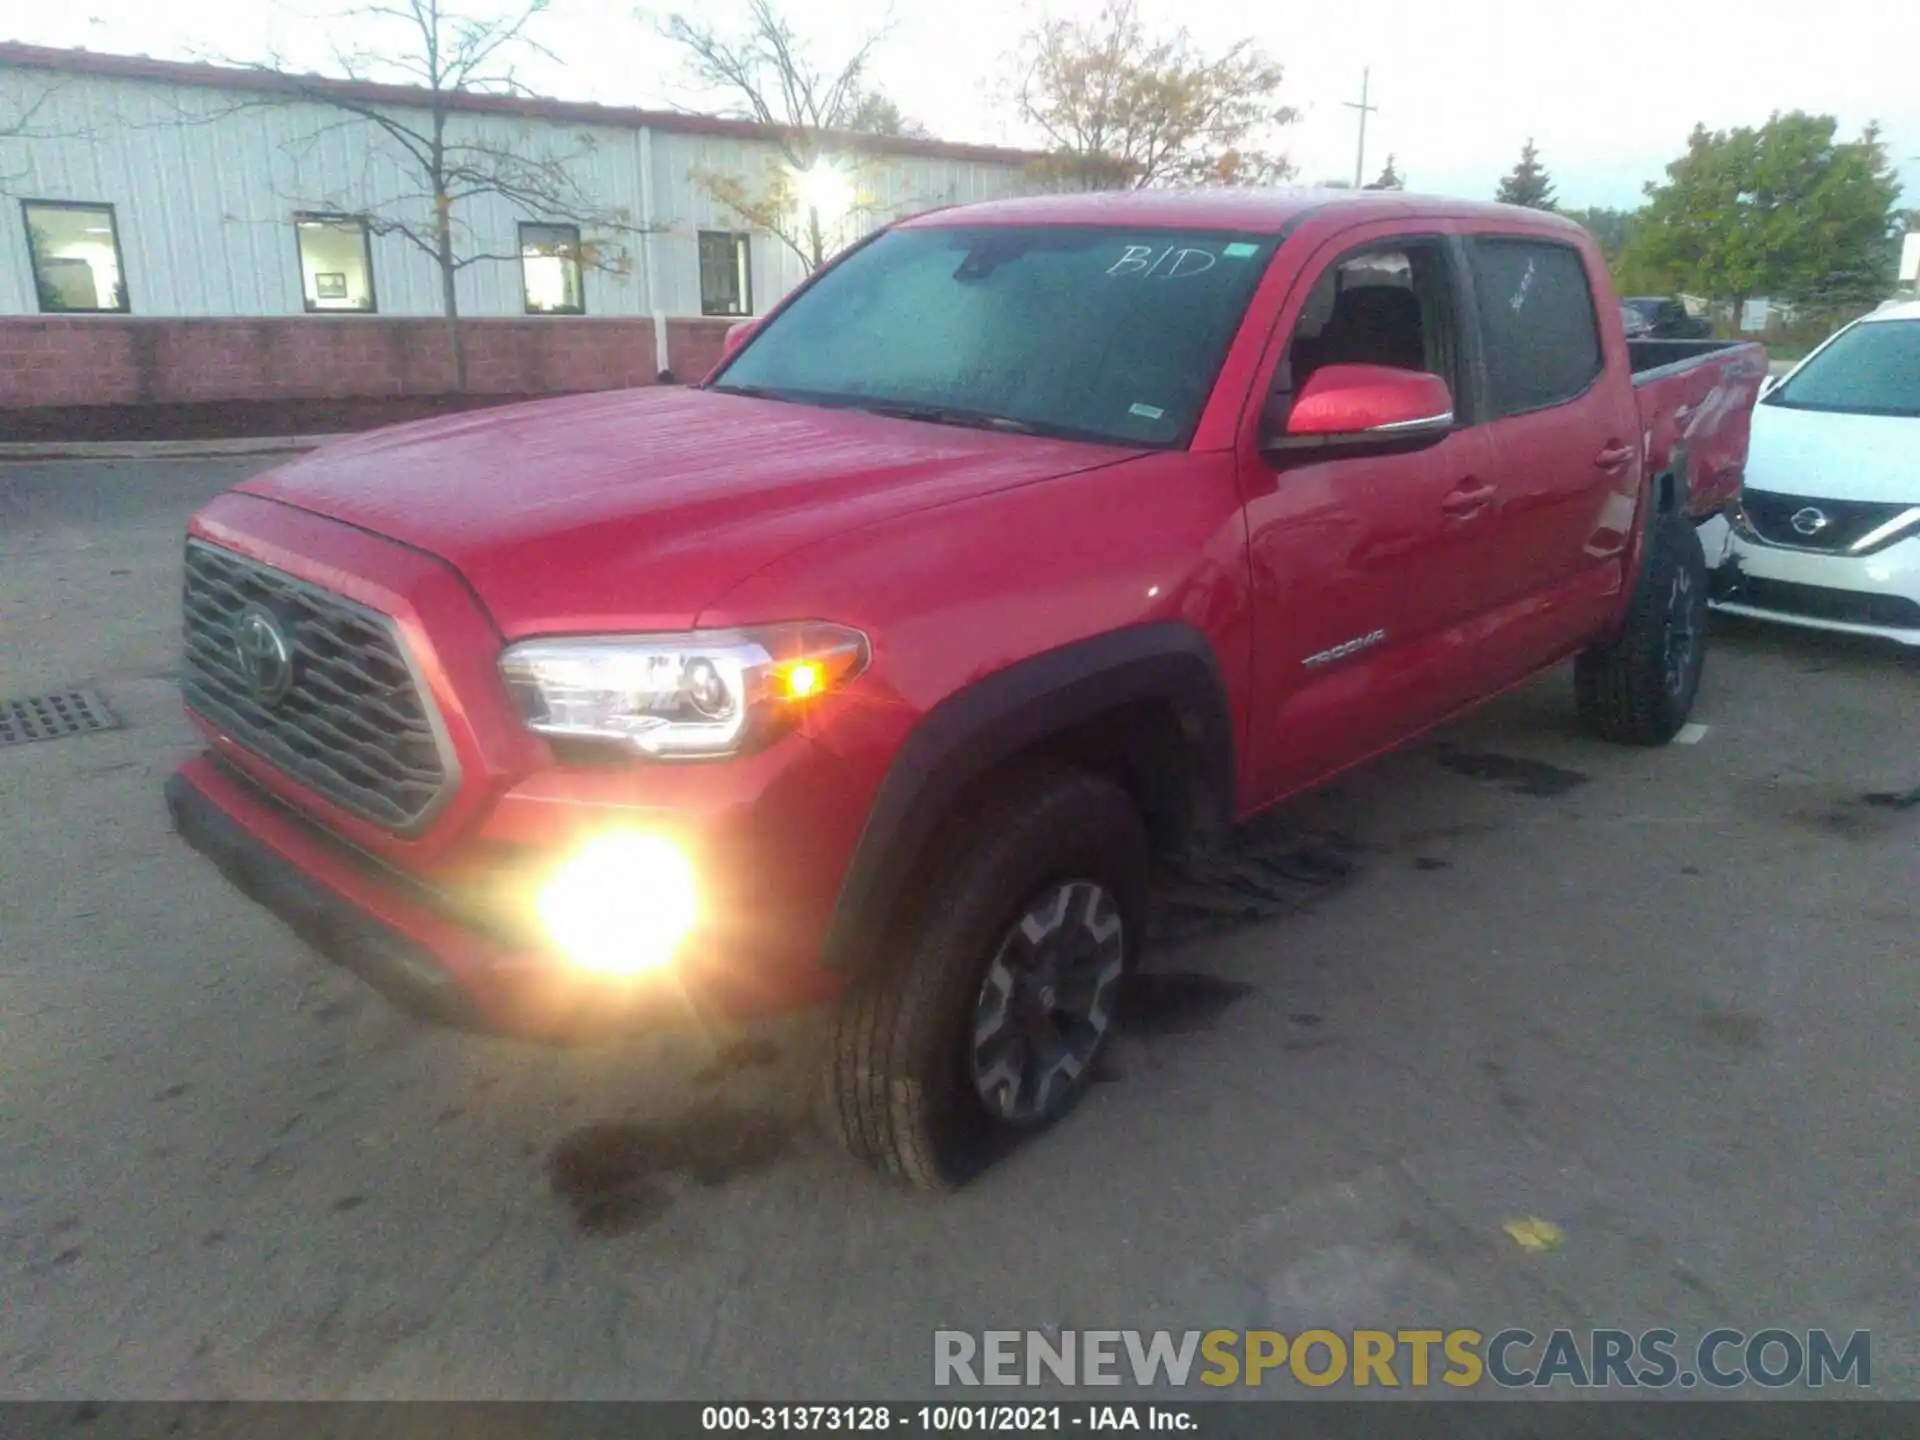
column 349, row 722
column 1818, row 602
column 1771, row 516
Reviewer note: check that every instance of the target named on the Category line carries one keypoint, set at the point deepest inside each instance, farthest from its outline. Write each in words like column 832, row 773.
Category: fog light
column 622, row 905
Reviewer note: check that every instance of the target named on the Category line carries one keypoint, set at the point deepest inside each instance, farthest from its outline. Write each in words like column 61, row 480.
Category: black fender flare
column 968, row 734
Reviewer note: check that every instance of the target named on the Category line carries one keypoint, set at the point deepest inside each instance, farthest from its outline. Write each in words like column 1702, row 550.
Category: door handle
column 1614, row 459
column 1469, row 498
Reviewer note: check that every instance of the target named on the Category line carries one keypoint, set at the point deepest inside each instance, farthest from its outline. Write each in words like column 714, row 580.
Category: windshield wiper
column 753, row 392
column 909, row 410
column 948, row 415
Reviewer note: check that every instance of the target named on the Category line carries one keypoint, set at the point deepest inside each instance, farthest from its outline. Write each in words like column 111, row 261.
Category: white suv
column 1827, row 532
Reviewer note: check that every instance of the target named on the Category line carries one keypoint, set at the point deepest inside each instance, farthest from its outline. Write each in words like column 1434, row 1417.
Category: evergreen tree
column 1390, row 178
column 1528, row 184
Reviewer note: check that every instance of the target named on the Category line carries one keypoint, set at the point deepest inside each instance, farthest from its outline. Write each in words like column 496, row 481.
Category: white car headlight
column 703, row 693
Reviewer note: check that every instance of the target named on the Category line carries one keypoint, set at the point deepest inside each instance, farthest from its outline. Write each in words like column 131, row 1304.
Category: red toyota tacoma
column 1025, row 546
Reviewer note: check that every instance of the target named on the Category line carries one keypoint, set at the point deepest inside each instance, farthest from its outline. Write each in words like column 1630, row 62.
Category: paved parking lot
column 1666, row 1001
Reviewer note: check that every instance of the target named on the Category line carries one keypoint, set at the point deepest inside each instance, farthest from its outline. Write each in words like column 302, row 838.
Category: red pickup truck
column 1025, row 546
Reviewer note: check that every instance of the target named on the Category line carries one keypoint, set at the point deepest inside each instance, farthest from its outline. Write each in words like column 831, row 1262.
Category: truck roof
column 1258, row 211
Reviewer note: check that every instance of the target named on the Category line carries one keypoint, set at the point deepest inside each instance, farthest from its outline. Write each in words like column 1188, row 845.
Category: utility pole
column 1360, row 159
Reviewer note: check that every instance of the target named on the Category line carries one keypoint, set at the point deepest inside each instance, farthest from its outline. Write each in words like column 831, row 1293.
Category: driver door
column 1365, row 567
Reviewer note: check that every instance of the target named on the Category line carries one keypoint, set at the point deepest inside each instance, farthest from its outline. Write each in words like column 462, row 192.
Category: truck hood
column 1823, row 455
column 638, row 509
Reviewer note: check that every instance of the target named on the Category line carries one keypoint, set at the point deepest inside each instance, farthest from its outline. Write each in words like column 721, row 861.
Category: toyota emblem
column 1809, row 522
column 266, row 660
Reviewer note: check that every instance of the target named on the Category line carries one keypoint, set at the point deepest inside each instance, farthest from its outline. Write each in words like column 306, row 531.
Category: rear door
column 1563, row 424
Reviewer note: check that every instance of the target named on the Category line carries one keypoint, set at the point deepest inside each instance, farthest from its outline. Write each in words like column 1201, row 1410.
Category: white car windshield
column 1084, row 332
column 1872, row 368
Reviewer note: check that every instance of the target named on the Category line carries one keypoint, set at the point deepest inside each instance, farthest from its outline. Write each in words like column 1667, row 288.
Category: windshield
column 1087, row 332
column 1872, row 368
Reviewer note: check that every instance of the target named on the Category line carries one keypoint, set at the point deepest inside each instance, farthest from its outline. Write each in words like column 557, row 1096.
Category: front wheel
column 987, row 1022
column 1639, row 689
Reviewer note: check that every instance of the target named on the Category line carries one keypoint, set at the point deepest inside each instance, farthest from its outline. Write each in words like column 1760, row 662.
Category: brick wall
column 130, row 360
column 694, row 346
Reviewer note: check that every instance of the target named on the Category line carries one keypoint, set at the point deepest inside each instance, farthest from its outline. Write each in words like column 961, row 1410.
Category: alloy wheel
column 1048, row 1001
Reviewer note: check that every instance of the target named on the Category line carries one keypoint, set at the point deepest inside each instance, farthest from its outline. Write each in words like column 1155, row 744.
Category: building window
column 726, row 282
column 550, row 269
column 336, row 264
column 76, row 258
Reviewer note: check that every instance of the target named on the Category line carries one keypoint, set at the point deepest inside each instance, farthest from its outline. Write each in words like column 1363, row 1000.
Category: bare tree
column 768, row 76
column 444, row 159
column 21, row 111
column 26, row 114
column 1120, row 108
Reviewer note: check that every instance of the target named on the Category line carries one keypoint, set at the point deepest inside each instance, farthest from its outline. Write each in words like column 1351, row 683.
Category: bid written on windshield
column 1176, row 262
column 1078, row 331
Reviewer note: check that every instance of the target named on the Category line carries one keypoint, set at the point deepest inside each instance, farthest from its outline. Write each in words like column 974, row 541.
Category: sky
column 1608, row 92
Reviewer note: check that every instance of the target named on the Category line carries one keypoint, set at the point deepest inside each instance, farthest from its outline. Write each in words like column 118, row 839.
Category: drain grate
column 52, row 717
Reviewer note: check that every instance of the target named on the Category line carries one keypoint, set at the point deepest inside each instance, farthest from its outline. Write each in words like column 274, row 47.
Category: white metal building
column 155, row 189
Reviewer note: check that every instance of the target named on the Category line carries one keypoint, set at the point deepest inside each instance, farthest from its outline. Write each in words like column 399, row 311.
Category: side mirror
column 1768, row 384
column 738, row 334
column 1367, row 406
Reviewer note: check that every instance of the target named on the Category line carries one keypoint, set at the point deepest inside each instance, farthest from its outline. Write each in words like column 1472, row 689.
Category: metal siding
column 685, row 207
column 896, row 186
column 204, row 186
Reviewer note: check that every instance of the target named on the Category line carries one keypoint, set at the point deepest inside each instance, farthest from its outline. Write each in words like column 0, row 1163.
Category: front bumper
column 1876, row 595
column 451, row 912
column 381, row 952
column 430, row 951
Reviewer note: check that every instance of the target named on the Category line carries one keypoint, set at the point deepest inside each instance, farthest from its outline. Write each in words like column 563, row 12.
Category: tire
column 1639, row 689
column 916, row 1093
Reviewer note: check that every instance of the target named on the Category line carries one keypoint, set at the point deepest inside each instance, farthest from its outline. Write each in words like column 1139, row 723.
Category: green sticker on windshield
column 1239, row 251
column 1146, row 412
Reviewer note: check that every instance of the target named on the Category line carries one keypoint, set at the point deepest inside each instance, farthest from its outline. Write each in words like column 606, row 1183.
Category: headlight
column 704, row 693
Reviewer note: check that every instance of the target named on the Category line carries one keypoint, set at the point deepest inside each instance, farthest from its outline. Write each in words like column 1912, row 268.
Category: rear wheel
column 986, row 1023
column 1639, row 689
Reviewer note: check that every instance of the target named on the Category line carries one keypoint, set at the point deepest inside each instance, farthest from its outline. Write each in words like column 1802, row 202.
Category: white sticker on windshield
column 1146, row 412
column 1239, row 251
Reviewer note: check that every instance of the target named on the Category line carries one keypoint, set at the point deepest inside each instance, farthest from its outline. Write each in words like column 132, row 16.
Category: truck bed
column 1651, row 357
column 1696, row 408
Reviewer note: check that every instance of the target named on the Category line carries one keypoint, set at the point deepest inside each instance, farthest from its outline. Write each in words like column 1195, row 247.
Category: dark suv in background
column 1668, row 317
